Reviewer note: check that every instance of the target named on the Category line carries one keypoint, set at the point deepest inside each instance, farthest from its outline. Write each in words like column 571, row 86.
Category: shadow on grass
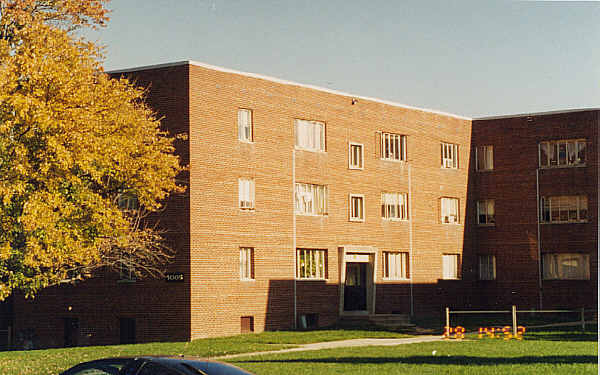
column 439, row 360
column 564, row 336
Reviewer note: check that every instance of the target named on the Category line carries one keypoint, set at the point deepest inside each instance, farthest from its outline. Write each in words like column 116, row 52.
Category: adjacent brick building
column 305, row 205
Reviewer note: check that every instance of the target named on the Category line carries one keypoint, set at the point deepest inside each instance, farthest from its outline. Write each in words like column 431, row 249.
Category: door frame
column 358, row 254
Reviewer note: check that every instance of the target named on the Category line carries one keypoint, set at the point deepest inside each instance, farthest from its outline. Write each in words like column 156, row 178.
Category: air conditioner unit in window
column 451, row 219
column 448, row 163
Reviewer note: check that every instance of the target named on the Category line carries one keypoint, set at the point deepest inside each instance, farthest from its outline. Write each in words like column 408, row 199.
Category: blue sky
column 474, row 59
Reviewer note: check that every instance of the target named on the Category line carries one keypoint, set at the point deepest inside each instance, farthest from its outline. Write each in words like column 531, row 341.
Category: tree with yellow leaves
column 74, row 143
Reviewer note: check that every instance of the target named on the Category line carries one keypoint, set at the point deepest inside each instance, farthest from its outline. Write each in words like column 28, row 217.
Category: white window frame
column 394, row 206
column 246, row 192
column 311, row 264
column 487, row 267
column 578, row 146
column 309, row 135
column 356, row 213
column 353, row 163
column 449, row 154
column 449, row 209
column 245, row 125
column 247, row 263
column 393, row 147
column 486, row 208
column 128, row 201
column 554, row 266
column 450, row 267
column 310, row 199
column 395, row 265
column 548, row 205
column 485, row 154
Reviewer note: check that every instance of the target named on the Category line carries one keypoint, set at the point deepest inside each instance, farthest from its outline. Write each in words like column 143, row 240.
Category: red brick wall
column 512, row 183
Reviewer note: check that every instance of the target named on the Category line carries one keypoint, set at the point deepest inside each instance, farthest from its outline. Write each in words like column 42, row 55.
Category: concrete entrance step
column 390, row 321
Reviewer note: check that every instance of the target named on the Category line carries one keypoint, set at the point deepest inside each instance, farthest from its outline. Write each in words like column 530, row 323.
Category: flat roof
column 336, row 92
column 537, row 113
column 285, row 82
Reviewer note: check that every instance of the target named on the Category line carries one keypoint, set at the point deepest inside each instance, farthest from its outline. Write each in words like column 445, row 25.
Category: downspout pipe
column 539, row 245
column 294, row 236
column 410, row 242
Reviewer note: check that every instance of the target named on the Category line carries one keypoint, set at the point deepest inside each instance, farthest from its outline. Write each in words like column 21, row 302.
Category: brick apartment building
column 306, row 205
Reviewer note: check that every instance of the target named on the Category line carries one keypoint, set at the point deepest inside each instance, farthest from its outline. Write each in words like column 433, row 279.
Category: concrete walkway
column 341, row 344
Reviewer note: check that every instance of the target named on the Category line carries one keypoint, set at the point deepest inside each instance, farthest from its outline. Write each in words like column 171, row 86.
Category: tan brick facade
column 207, row 228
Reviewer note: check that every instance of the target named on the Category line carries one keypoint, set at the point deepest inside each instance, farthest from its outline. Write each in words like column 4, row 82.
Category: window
column 487, row 267
column 485, row 158
column 395, row 265
column 449, row 209
column 128, row 201
column 357, row 207
column 394, row 206
column 311, row 264
column 449, row 266
column 393, row 146
column 245, row 125
column 246, row 263
column 564, row 209
column 355, row 156
column 310, row 135
column 311, row 199
column 565, row 266
column 449, row 155
column 246, row 193
column 485, row 212
column 563, row 153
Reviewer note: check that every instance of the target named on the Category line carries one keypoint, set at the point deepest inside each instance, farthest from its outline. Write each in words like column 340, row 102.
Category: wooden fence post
column 448, row 319
column 514, row 320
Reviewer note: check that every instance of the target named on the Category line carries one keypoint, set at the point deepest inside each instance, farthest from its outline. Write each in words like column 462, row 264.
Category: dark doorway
column 126, row 331
column 71, row 332
column 355, row 289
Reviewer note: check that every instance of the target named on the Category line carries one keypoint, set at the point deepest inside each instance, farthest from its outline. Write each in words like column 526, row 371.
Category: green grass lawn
column 553, row 352
column 53, row 361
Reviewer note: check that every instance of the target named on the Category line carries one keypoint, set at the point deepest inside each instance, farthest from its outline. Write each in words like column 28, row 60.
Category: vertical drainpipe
column 539, row 246
column 294, row 233
column 410, row 241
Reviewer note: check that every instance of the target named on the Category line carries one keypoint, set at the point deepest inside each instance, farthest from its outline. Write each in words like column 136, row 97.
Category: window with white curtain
column 449, row 266
column 246, row 263
column 566, row 266
column 310, row 135
column 449, row 210
column 564, row 209
column 246, row 193
column 245, row 125
column 311, row 264
column 310, row 199
column 393, row 147
column 485, row 158
column 449, row 155
column 395, row 265
column 357, row 207
column 487, row 267
column 562, row 153
column 394, row 206
column 486, row 212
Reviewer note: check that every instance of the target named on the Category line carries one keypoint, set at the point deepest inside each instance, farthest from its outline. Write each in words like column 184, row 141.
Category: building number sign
column 458, row 332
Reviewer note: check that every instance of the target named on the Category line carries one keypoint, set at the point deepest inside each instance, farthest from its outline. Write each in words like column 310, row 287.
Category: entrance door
column 71, row 332
column 355, row 289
